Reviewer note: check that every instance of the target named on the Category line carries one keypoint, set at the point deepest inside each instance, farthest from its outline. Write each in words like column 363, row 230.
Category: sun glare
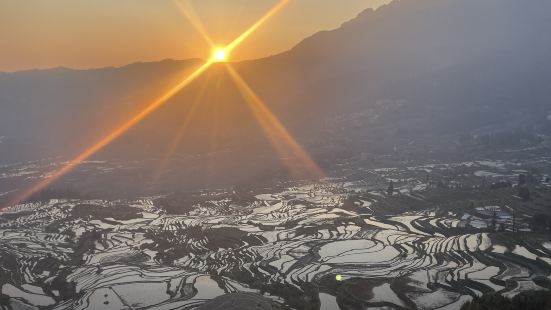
column 219, row 55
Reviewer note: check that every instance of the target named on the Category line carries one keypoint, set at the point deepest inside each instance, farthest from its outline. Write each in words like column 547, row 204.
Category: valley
column 446, row 233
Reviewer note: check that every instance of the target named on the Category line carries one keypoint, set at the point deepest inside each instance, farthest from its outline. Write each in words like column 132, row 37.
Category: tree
column 494, row 220
column 521, row 179
column 5, row 301
column 390, row 189
column 540, row 222
column 531, row 179
column 524, row 193
column 540, row 300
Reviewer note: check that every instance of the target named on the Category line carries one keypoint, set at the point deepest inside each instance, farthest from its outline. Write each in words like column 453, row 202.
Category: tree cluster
column 535, row 300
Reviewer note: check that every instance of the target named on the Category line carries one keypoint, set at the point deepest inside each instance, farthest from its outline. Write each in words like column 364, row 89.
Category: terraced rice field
column 335, row 244
column 341, row 243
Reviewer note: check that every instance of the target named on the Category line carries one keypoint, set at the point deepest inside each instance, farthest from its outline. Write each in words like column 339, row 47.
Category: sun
column 219, row 55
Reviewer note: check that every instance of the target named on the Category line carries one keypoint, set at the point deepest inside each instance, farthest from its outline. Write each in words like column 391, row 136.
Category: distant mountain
column 422, row 74
column 434, row 66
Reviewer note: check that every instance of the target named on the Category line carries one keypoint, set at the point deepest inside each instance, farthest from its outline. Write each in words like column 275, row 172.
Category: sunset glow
column 76, row 34
column 70, row 165
column 282, row 141
column 219, row 55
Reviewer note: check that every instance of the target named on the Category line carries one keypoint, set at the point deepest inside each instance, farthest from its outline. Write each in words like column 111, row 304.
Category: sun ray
column 276, row 8
column 180, row 134
column 215, row 117
column 71, row 164
column 189, row 13
column 221, row 53
column 213, row 132
column 111, row 136
column 280, row 137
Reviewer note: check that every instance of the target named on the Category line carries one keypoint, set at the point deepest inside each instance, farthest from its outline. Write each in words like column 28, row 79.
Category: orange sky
column 97, row 33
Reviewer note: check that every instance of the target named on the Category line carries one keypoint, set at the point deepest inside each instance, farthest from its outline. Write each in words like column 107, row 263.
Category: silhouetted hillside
column 418, row 74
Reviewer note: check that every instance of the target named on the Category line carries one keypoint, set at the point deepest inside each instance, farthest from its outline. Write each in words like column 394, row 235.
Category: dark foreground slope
column 540, row 300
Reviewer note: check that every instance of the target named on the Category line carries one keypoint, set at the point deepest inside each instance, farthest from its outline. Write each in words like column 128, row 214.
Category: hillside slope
column 427, row 73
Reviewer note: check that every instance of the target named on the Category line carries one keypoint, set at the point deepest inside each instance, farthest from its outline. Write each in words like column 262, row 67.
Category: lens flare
column 111, row 136
column 280, row 137
column 257, row 25
column 55, row 175
column 180, row 134
column 189, row 13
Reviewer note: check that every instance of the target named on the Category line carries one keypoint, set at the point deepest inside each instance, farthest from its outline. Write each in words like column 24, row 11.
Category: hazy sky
column 95, row 33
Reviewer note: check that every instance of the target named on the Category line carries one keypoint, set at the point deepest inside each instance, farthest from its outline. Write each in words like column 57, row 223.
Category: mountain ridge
column 372, row 86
